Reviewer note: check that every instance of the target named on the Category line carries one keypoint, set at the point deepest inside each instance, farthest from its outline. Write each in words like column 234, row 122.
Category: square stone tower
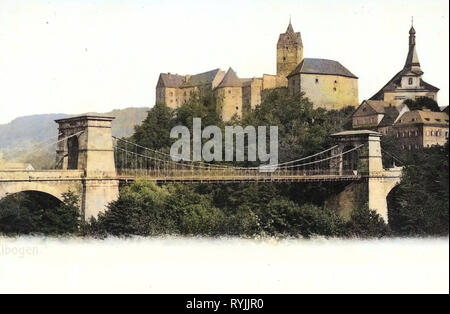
column 289, row 51
column 87, row 145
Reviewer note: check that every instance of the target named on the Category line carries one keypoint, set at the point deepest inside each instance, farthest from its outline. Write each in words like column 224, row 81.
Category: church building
column 408, row 83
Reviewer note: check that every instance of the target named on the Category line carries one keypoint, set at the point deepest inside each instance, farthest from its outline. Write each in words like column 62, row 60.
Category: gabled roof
column 230, row 80
column 378, row 105
column 391, row 113
column 395, row 82
column 177, row 81
column 374, row 106
column 423, row 117
column 170, row 80
column 204, row 78
column 321, row 66
column 445, row 110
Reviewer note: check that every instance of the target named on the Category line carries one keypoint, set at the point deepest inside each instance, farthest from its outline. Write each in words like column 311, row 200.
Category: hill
column 29, row 139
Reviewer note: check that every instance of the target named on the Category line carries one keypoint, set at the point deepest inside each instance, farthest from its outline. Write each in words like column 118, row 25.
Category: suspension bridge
column 134, row 161
column 94, row 164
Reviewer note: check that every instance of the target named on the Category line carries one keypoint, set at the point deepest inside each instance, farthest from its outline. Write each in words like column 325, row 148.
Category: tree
column 421, row 103
column 154, row 132
column 366, row 223
column 420, row 204
column 63, row 219
column 38, row 213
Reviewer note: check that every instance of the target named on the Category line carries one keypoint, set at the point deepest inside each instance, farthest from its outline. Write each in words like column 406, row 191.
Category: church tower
column 412, row 60
column 289, row 51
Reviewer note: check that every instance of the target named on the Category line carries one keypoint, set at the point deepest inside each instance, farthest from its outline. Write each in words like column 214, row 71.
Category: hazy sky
column 72, row 56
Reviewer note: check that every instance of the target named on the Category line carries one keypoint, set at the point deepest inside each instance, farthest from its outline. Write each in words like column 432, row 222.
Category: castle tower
column 289, row 51
column 229, row 92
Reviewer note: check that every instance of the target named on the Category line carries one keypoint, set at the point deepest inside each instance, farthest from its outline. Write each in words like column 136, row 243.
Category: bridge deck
column 40, row 175
column 196, row 176
column 205, row 179
column 236, row 176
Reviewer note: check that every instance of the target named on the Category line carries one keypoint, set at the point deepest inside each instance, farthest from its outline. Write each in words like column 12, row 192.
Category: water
column 199, row 265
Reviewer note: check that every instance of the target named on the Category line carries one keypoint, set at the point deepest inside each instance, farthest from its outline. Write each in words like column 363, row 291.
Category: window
column 334, row 88
column 229, row 92
column 446, row 135
column 438, row 120
column 427, row 119
column 432, row 133
column 317, row 81
column 335, row 82
column 284, row 58
column 410, row 81
column 237, row 108
column 416, row 133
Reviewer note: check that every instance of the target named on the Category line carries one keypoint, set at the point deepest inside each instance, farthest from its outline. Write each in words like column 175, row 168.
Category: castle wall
column 251, row 94
column 231, row 102
column 328, row 91
column 274, row 81
column 171, row 97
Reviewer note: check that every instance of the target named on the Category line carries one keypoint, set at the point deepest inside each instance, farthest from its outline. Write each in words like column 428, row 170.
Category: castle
column 327, row 83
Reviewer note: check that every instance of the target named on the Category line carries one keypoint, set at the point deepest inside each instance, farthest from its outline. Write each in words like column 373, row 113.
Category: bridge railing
column 8, row 175
column 212, row 174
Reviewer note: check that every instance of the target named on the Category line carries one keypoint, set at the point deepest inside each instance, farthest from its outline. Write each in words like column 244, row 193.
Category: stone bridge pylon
column 376, row 182
column 85, row 166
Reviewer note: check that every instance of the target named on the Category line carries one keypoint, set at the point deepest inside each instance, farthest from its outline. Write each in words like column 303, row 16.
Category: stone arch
column 391, row 185
column 9, row 189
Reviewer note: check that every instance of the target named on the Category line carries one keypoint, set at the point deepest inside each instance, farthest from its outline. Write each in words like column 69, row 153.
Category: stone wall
column 398, row 97
column 230, row 102
column 327, row 91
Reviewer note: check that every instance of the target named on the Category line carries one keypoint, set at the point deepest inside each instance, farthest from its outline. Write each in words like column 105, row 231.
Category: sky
column 75, row 56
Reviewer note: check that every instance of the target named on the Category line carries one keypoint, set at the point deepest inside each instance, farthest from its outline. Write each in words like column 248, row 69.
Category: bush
column 37, row 213
column 366, row 223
